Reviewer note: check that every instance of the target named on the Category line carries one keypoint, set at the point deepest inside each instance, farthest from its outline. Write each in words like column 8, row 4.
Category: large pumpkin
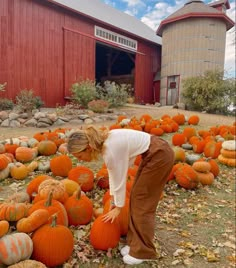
column 53, row 244
column 61, row 165
column 15, row 247
column 83, row 176
column 104, row 235
column 186, row 176
column 57, row 188
column 79, row 209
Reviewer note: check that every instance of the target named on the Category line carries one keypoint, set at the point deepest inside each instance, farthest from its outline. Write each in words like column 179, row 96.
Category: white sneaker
column 125, row 250
column 131, row 260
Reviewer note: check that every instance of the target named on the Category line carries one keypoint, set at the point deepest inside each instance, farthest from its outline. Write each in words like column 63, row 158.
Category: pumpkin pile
column 59, row 194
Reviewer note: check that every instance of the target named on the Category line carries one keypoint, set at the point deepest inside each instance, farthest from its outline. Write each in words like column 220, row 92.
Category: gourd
column 53, row 244
column 79, row 209
column 52, row 206
column 4, row 227
column 15, row 247
column 180, row 155
column 61, row 165
column 104, row 235
column 32, row 166
column 33, row 221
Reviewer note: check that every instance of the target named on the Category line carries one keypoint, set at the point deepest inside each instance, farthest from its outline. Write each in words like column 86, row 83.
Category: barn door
column 79, row 59
column 143, row 78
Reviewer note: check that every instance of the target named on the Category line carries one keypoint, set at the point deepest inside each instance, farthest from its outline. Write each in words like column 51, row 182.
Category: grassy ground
column 194, row 228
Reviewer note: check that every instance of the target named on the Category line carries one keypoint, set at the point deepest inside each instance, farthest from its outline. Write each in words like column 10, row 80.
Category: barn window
column 115, row 38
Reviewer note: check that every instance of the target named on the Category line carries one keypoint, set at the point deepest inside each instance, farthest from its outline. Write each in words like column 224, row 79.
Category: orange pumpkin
column 186, row 176
column 201, row 166
column 47, row 147
column 52, row 244
column 4, row 161
column 178, row 139
column 61, row 165
column 79, row 209
column 51, row 185
column 25, row 154
column 104, row 235
column 32, row 187
column 4, row 227
column 84, row 176
column 205, row 178
column 19, row 171
column 193, row 120
column 11, row 211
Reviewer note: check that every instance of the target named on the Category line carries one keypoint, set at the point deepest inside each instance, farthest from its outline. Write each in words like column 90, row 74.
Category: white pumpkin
column 229, row 145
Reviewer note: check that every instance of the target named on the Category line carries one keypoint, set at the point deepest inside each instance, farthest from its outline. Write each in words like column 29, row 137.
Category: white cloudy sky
column 152, row 12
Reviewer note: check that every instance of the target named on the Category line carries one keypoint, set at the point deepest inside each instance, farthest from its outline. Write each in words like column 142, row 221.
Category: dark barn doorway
column 114, row 64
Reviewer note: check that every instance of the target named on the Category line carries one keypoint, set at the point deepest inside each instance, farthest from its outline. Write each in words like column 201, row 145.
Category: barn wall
column 46, row 48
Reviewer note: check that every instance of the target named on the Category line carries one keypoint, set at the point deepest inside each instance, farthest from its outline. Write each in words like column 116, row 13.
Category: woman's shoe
column 131, row 260
column 125, row 250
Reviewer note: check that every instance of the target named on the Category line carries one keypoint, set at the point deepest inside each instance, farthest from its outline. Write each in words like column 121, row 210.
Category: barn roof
column 193, row 9
column 105, row 13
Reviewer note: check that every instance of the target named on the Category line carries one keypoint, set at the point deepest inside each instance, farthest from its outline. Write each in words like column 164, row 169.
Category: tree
column 209, row 92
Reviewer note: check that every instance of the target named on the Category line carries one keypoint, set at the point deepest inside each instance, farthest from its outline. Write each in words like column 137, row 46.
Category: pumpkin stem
column 54, row 220
column 48, row 202
column 78, row 194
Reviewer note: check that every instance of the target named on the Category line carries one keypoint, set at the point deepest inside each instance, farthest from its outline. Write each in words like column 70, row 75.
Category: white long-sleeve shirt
column 121, row 148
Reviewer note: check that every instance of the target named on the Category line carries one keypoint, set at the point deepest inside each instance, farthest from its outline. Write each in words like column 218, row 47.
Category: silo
column 193, row 41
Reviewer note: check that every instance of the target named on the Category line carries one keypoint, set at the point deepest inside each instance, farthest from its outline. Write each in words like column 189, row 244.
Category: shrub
column 98, row 106
column 210, row 92
column 6, row 104
column 83, row 92
column 115, row 94
column 26, row 101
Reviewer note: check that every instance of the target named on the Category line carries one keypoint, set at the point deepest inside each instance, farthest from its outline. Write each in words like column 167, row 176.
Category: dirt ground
column 206, row 120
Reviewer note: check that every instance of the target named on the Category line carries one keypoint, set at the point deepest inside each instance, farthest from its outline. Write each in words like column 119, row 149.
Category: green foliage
column 2, row 86
column 83, row 92
column 210, row 92
column 98, row 106
column 6, row 104
column 26, row 101
column 113, row 93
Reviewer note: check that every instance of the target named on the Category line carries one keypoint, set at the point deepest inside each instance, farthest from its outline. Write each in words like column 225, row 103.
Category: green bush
column 116, row 95
column 98, row 106
column 6, row 104
column 210, row 92
column 83, row 92
column 26, row 101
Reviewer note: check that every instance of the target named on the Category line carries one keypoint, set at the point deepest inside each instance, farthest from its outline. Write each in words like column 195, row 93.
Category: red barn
column 47, row 45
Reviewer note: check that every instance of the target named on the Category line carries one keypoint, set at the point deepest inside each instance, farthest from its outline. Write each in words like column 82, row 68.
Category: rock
column 3, row 115
column 39, row 115
column 43, row 125
column 5, row 123
column 31, row 122
column 14, row 123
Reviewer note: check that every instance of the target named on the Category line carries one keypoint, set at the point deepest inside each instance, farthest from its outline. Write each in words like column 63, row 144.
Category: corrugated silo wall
column 189, row 48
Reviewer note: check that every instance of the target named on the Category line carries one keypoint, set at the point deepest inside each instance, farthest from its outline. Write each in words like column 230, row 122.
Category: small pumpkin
column 70, row 186
column 52, row 244
column 11, row 211
column 47, row 147
column 104, row 235
column 19, row 171
column 4, row 227
column 201, row 166
column 33, row 221
column 22, row 245
column 25, row 154
column 205, row 178
column 32, row 187
column 4, row 161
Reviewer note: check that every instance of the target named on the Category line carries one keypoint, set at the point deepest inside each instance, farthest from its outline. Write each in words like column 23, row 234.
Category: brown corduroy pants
column 149, row 183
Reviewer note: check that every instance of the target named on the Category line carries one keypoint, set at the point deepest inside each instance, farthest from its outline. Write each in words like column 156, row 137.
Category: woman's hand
column 111, row 215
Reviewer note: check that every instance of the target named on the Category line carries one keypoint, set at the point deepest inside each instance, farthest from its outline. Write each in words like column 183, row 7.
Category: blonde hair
column 80, row 139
